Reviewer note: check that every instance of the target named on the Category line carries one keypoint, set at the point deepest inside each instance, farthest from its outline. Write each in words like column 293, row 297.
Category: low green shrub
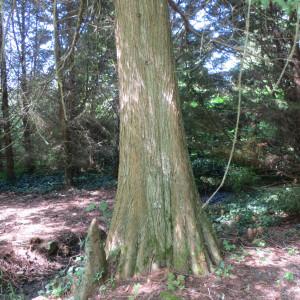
column 286, row 200
column 263, row 208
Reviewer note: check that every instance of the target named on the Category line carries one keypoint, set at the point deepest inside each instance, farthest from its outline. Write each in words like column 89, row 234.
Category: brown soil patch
column 24, row 218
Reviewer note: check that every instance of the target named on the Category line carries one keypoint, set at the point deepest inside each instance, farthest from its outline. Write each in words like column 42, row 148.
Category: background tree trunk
column 1, row 152
column 64, row 120
column 9, row 156
column 157, row 221
column 66, row 78
column 29, row 161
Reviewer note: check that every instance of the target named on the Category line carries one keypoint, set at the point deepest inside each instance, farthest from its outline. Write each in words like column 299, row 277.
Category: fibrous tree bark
column 157, row 220
column 8, row 148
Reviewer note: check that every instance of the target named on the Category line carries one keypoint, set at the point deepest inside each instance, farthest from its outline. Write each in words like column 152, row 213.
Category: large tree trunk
column 5, row 108
column 157, row 220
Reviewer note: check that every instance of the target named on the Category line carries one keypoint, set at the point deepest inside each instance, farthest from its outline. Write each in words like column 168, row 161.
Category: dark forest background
column 208, row 37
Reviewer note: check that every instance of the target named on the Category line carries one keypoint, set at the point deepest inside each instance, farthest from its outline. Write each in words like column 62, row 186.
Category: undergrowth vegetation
column 256, row 209
column 8, row 291
column 209, row 172
column 65, row 280
column 45, row 183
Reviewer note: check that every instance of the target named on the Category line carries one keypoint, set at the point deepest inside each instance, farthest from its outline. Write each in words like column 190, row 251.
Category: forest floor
column 28, row 218
column 267, row 267
column 267, row 272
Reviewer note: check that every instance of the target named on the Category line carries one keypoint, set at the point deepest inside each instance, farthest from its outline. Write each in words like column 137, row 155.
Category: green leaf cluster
column 175, row 282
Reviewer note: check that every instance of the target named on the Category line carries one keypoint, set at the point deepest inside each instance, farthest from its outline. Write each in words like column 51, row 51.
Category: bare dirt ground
column 268, row 271
column 53, row 216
